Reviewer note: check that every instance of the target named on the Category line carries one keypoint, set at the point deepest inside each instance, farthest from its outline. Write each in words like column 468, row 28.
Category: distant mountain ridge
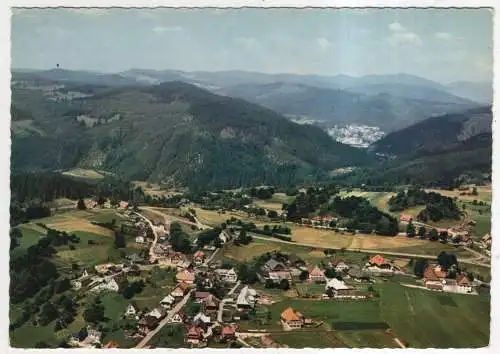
column 175, row 133
column 437, row 133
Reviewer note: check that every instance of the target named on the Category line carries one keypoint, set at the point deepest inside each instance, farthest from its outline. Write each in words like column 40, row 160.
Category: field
column 484, row 194
column 308, row 340
column 214, row 218
column 154, row 190
column 425, row 319
column 76, row 221
column 83, row 173
column 269, row 205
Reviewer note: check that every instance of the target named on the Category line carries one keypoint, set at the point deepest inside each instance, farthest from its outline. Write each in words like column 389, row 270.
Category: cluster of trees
column 305, row 203
column 407, row 199
column 225, row 200
column 33, row 270
column 179, row 239
column 261, row 193
column 439, row 207
column 129, row 290
column 243, row 238
column 363, row 216
column 174, row 201
column 247, row 273
column 209, row 236
column 94, row 312
column 276, row 229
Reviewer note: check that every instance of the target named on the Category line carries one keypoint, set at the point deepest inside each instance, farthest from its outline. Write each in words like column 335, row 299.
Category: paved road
column 224, row 301
column 163, row 322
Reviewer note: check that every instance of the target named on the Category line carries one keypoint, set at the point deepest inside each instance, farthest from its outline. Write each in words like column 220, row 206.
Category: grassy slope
column 420, row 319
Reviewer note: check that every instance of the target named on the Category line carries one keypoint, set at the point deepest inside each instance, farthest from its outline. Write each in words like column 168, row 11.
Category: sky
column 443, row 45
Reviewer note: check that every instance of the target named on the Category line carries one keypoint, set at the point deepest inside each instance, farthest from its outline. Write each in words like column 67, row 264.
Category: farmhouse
column 405, row 218
column 273, row 265
column 210, row 303
column 140, row 239
column 315, row 273
column 434, row 277
column 291, row 319
column 167, row 301
column 123, row 205
column 228, row 332
column 225, row 236
column 198, row 258
column 180, row 290
column 194, row 335
column 178, row 317
column 341, row 266
column 227, row 275
column 276, row 277
column 246, row 298
column 185, row 276
column 202, row 320
column 131, row 311
column 107, row 285
column 200, row 296
column 379, row 261
column 486, row 241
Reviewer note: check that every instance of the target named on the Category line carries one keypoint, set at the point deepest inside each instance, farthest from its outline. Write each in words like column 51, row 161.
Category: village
column 227, row 301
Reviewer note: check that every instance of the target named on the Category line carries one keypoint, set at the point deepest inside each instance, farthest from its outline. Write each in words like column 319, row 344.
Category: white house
column 201, row 318
column 227, row 275
column 131, row 311
column 157, row 313
column 246, row 297
column 177, row 318
column 139, row 239
column 167, row 301
column 341, row 266
column 335, row 284
column 110, row 285
column 77, row 285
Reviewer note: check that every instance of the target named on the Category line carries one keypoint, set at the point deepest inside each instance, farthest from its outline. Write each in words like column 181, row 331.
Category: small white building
column 167, row 301
column 110, row 285
column 341, row 266
column 140, row 239
column 156, row 313
column 246, row 298
column 335, row 284
column 227, row 275
column 131, row 311
column 201, row 318
column 177, row 318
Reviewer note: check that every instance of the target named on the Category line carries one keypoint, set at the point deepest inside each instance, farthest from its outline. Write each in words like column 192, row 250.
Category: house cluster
column 320, row 222
column 149, row 320
column 436, row 278
column 108, row 278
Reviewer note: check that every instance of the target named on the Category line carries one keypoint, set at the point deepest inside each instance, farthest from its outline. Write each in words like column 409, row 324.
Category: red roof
column 199, row 254
column 195, row 331
column 378, row 260
column 228, row 331
column 463, row 280
column 405, row 217
column 291, row 315
column 111, row 344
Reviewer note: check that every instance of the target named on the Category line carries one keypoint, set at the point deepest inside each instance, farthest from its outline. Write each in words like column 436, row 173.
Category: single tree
column 81, row 204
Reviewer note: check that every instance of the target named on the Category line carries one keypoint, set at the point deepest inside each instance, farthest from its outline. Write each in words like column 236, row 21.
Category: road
column 152, row 256
column 163, row 322
column 223, row 301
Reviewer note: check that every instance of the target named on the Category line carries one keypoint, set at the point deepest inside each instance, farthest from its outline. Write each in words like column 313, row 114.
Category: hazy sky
column 443, row 45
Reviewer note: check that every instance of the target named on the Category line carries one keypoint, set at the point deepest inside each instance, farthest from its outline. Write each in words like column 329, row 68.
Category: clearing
column 83, row 173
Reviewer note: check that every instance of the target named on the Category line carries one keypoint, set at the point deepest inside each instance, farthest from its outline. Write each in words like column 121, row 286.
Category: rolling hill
column 388, row 106
column 437, row 133
column 173, row 132
column 440, row 151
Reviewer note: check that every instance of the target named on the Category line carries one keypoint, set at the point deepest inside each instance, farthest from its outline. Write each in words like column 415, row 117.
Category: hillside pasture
column 83, row 173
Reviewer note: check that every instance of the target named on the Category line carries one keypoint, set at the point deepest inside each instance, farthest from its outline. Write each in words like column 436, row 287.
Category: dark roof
column 293, row 258
column 273, row 264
